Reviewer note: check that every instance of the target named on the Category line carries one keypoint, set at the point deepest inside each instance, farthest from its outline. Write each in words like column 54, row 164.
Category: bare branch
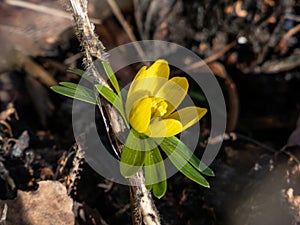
column 43, row 9
column 117, row 12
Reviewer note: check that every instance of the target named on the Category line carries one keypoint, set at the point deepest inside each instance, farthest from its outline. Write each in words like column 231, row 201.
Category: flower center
column 158, row 107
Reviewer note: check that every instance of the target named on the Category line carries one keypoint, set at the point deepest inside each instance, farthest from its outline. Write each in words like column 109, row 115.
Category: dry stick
column 44, row 9
column 292, row 17
column 144, row 209
column 212, row 58
column 219, row 70
column 271, row 42
column 117, row 12
column 290, row 33
column 3, row 214
column 39, row 8
column 33, row 69
column 138, row 17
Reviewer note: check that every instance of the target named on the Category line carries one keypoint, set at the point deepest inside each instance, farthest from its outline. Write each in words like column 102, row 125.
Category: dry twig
column 33, row 69
column 3, row 214
column 212, row 58
column 118, row 14
column 43, row 9
column 289, row 34
column 219, row 70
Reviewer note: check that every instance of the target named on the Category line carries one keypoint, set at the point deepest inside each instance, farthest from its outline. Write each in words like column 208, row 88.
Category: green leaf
column 182, row 164
column 70, row 85
column 155, row 171
column 198, row 96
column 80, row 73
column 111, row 76
column 113, row 98
column 159, row 189
column 186, row 153
column 131, row 161
column 133, row 156
column 75, row 91
column 76, row 71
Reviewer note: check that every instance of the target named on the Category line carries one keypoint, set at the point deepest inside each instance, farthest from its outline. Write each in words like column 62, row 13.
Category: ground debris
column 49, row 204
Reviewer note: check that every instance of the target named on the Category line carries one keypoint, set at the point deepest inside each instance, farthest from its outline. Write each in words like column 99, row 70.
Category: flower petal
column 164, row 128
column 140, row 114
column 141, row 73
column 148, row 84
column 188, row 116
column 173, row 91
column 159, row 68
column 150, row 79
column 133, row 98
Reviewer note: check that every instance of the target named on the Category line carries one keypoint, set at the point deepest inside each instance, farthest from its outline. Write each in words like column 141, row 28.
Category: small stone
column 49, row 205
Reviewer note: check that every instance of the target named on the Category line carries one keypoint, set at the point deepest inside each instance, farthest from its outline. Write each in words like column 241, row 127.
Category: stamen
column 158, row 107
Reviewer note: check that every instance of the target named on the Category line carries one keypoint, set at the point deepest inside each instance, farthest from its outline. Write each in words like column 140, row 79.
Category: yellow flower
column 152, row 101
